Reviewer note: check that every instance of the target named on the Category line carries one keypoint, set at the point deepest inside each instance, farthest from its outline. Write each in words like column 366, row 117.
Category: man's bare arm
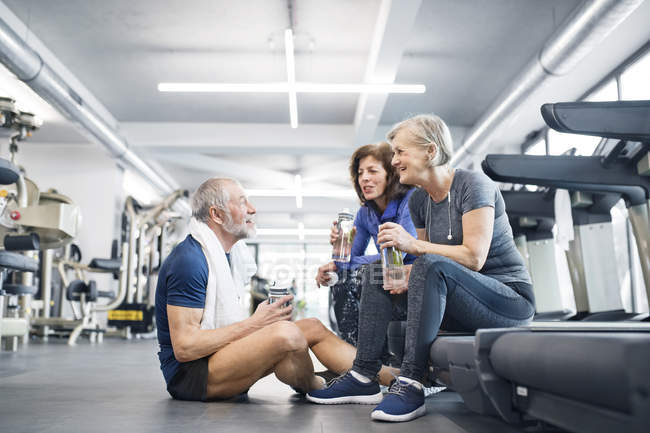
column 190, row 342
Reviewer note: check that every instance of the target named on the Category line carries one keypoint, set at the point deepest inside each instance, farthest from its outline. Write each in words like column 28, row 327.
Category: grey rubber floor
column 117, row 387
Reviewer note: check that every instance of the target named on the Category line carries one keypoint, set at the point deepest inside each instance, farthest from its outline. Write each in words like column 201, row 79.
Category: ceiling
column 121, row 50
column 465, row 51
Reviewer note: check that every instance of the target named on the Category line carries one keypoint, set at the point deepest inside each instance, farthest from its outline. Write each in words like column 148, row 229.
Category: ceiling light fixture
column 343, row 193
column 281, row 87
column 291, row 77
column 298, row 186
column 292, row 87
column 292, row 232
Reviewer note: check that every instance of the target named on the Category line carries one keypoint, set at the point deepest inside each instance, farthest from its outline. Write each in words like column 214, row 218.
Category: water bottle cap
column 279, row 291
column 345, row 214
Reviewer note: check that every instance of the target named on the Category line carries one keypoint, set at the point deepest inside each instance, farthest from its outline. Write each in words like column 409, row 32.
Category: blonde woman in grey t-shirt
column 468, row 274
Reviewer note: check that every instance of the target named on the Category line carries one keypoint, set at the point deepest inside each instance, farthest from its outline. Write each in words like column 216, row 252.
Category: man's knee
column 287, row 336
column 313, row 330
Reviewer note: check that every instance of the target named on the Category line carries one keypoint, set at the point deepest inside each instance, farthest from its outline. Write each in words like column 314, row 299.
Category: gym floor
column 117, row 387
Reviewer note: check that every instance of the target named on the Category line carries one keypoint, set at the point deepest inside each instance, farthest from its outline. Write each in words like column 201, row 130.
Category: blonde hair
column 427, row 130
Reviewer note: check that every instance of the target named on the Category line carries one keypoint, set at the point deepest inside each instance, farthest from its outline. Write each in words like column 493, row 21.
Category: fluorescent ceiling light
column 298, row 186
column 292, row 232
column 225, row 87
column 359, row 88
column 302, row 255
column 291, row 77
column 344, row 193
column 282, row 87
column 291, row 86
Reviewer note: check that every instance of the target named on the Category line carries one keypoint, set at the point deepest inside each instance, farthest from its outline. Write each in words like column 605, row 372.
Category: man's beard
column 239, row 231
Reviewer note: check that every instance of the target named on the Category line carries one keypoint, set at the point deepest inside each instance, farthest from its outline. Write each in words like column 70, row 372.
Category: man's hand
column 396, row 288
column 266, row 313
column 322, row 278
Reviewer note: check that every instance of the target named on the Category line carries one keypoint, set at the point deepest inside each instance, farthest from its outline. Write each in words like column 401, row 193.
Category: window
column 559, row 142
column 297, row 264
column 537, row 148
column 635, row 81
column 606, row 92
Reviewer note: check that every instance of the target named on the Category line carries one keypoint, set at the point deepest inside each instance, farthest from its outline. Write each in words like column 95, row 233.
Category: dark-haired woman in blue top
column 383, row 199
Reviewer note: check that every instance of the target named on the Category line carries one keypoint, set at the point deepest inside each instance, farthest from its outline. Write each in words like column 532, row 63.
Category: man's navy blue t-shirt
column 182, row 281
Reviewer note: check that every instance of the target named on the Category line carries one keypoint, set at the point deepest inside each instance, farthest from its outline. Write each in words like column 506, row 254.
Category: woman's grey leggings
column 438, row 287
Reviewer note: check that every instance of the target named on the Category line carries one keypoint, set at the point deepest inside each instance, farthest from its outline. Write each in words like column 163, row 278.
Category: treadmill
column 580, row 376
column 591, row 256
column 532, row 216
column 606, row 177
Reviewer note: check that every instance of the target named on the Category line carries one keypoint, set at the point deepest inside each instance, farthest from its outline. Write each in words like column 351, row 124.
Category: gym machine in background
column 596, row 184
column 532, row 217
column 580, row 376
column 148, row 236
column 16, row 325
column 43, row 225
column 41, row 220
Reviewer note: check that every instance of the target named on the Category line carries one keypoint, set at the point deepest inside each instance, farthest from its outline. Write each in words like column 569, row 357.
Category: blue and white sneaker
column 345, row 389
column 403, row 402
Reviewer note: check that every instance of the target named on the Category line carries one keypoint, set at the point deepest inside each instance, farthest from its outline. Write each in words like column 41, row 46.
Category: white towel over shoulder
column 225, row 293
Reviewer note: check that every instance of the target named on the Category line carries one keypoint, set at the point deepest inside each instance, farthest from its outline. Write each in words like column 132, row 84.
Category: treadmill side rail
column 497, row 389
column 623, row 120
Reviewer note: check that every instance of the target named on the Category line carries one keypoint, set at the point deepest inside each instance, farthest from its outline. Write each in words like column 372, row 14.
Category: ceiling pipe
column 587, row 26
column 29, row 67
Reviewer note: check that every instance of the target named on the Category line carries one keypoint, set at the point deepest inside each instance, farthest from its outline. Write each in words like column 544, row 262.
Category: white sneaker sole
column 379, row 415
column 355, row 399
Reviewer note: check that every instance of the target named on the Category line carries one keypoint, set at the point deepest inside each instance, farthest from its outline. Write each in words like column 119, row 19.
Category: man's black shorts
column 190, row 381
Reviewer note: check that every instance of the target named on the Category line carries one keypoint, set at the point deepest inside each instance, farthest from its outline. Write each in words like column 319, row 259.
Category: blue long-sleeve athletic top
column 367, row 222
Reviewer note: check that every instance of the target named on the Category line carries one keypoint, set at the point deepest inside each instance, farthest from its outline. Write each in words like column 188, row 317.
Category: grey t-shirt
column 472, row 190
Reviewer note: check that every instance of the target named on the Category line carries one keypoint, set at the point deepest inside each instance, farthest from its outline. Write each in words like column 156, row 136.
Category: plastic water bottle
column 342, row 248
column 275, row 293
column 392, row 264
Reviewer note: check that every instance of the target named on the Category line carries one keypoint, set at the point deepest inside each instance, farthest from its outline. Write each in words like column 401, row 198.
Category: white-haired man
column 209, row 348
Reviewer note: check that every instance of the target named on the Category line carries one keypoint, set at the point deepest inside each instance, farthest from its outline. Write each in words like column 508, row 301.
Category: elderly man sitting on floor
column 209, row 347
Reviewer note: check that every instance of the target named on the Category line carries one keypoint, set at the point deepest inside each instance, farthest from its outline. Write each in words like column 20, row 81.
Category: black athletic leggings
column 438, row 287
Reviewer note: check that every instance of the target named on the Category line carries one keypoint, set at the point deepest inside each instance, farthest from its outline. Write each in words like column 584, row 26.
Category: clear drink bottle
column 392, row 263
column 276, row 292
column 343, row 245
